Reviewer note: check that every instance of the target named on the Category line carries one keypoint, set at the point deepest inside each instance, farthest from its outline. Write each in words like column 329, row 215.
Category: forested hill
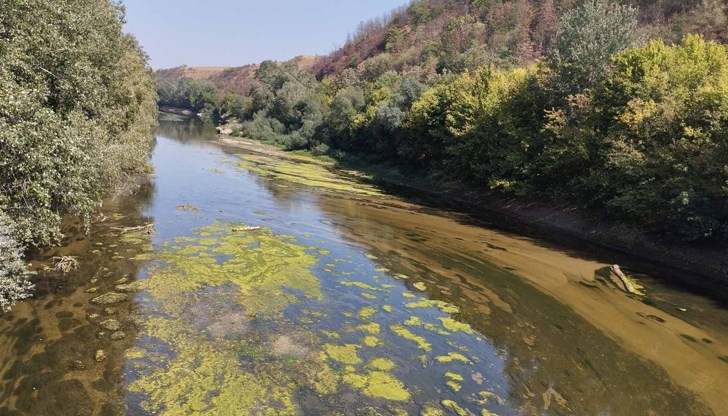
column 434, row 36
column 236, row 80
column 454, row 35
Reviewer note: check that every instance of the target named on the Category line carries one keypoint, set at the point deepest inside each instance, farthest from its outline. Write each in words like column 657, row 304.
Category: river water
column 273, row 284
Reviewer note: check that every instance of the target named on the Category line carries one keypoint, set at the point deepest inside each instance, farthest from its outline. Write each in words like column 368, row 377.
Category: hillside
column 434, row 36
column 236, row 80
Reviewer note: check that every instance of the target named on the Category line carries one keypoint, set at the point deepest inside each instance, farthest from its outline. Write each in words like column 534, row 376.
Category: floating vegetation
column 453, row 356
column 243, row 324
column 186, row 207
column 305, row 172
column 407, row 334
column 239, row 281
column 345, row 354
column 378, row 384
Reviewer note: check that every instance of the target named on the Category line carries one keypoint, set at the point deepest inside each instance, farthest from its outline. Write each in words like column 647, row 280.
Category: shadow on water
column 556, row 362
column 48, row 345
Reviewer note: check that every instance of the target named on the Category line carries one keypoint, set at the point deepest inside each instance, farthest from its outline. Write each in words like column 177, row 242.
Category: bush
column 14, row 284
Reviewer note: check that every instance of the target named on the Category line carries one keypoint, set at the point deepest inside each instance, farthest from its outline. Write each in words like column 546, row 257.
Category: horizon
column 193, row 34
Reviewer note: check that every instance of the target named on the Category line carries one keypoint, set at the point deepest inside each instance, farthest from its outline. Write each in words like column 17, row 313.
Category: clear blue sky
column 234, row 33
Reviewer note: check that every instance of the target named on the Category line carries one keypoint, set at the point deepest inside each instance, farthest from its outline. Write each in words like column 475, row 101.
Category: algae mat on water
column 215, row 339
column 308, row 173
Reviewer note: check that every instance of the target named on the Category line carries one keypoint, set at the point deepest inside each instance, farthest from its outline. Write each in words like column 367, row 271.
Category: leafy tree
column 588, row 36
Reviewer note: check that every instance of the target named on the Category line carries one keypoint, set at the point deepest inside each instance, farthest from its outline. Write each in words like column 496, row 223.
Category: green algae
column 429, row 303
column 265, row 273
column 371, row 341
column 378, row 384
column 367, row 313
column 371, row 328
column 416, row 321
column 454, row 381
column 345, row 354
column 257, row 275
column 388, row 308
column 360, row 285
column 452, row 405
column 431, row 410
column 453, row 356
column 420, row 286
column 305, row 172
column 413, row 321
column 381, row 364
column 407, row 334
column 368, row 296
column 455, row 326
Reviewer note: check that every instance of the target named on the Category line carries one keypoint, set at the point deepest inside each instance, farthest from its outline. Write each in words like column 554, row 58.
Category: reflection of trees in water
column 553, row 357
column 48, row 364
column 186, row 129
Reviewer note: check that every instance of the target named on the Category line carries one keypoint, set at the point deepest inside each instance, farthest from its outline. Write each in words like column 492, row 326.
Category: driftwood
column 243, row 229
column 65, row 264
column 148, row 228
column 628, row 286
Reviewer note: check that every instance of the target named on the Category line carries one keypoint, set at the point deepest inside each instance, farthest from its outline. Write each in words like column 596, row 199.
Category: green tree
column 588, row 36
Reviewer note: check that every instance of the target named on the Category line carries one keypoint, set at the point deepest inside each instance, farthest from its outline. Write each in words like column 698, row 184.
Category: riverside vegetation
column 597, row 116
column 77, row 108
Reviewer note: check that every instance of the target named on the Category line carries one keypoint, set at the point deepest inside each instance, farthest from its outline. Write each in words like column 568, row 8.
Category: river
column 271, row 283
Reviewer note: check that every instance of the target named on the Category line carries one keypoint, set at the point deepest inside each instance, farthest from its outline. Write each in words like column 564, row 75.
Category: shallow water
column 274, row 285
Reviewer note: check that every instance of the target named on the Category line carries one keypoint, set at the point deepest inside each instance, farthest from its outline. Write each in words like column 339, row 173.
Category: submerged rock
column 111, row 325
column 119, row 335
column 100, row 356
column 77, row 365
column 126, row 288
column 110, row 299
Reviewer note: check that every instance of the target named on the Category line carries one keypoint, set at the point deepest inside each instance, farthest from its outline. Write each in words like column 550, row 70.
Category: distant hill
column 229, row 79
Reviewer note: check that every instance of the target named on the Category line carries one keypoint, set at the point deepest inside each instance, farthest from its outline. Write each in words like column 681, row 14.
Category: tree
column 545, row 26
column 588, row 36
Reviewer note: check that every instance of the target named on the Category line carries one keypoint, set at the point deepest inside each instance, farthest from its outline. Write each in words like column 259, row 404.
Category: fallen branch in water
column 628, row 286
column 148, row 228
column 65, row 264
column 243, row 229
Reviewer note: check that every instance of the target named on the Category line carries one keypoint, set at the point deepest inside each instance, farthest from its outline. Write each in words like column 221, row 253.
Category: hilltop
column 236, row 80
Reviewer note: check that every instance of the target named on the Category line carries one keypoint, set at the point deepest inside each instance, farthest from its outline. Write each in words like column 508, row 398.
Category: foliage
column 666, row 144
column 14, row 284
column 77, row 108
column 589, row 35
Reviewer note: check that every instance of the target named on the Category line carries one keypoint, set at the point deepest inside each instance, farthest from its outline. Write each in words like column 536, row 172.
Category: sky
column 235, row 33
